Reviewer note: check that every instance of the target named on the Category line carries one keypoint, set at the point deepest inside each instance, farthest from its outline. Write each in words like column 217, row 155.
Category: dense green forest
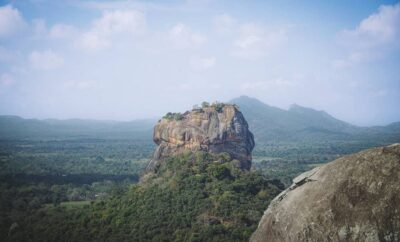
column 50, row 177
column 192, row 197
column 36, row 173
column 74, row 156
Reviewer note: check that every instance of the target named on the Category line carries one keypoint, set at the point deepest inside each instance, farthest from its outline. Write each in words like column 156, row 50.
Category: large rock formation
column 354, row 198
column 218, row 128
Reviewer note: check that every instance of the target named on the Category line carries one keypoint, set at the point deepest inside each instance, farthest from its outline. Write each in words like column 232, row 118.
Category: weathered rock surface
column 354, row 198
column 212, row 129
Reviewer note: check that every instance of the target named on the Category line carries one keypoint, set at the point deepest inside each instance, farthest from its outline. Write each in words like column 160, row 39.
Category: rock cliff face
column 354, row 198
column 214, row 129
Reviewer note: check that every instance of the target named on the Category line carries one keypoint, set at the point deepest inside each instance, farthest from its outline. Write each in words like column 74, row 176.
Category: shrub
column 205, row 104
column 173, row 116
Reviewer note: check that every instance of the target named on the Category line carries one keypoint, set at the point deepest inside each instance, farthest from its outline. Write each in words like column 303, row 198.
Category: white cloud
column 57, row 31
column 62, row 31
column 355, row 58
column 93, row 42
column 379, row 28
column 46, row 60
column 119, row 21
column 111, row 25
column 254, row 42
column 224, row 23
column 11, row 21
column 183, row 37
column 375, row 35
column 199, row 64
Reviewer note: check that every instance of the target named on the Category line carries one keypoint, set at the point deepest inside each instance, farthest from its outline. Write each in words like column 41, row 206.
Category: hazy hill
column 16, row 127
column 268, row 123
column 300, row 123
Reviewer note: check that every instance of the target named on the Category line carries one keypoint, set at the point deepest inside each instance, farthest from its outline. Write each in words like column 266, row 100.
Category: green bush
column 173, row 116
column 205, row 104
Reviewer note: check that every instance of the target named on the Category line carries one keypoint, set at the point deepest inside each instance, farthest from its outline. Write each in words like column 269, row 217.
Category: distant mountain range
column 16, row 127
column 301, row 123
column 268, row 123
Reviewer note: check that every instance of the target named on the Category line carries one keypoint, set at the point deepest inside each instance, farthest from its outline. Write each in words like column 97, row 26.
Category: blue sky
column 127, row 60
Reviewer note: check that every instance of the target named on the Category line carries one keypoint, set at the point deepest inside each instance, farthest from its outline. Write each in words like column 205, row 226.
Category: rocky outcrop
column 354, row 198
column 217, row 128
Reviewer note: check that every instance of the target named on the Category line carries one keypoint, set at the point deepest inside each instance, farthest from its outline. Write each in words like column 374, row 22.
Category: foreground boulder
column 217, row 128
column 354, row 198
